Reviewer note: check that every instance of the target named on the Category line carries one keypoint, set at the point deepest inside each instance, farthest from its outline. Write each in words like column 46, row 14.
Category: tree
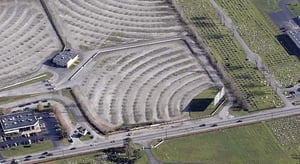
column 4, row 111
column 40, row 106
column 128, row 148
column 137, row 154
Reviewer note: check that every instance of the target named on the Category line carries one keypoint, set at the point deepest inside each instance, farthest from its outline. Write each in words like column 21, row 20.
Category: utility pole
column 166, row 134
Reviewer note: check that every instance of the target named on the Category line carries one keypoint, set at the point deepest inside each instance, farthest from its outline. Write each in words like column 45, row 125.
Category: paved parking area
column 281, row 18
column 51, row 131
column 293, row 93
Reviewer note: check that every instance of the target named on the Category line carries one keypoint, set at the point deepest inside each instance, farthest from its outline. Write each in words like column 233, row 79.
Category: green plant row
column 259, row 34
column 225, row 49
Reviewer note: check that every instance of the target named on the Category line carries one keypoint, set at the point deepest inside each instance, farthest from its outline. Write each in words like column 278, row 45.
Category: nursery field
column 225, row 49
column 26, row 39
column 287, row 132
column 260, row 36
column 247, row 144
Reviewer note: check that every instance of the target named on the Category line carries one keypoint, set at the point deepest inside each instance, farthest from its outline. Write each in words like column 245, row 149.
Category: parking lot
column 293, row 93
column 50, row 131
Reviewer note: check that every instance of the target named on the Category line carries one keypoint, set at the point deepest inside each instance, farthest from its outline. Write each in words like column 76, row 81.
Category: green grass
column 202, row 104
column 294, row 8
column 9, row 99
column 85, row 138
column 47, row 75
column 21, row 150
column 208, row 93
column 230, row 56
column 267, row 6
column 64, row 141
column 144, row 158
column 249, row 144
column 238, row 112
column 287, row 131
column 67, row 94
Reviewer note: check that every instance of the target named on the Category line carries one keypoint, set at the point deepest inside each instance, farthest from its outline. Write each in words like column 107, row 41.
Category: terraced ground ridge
column 26, row 39
column 90, row 24
column 146, row 84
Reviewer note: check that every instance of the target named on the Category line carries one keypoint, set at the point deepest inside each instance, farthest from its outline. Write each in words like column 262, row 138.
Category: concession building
column 65, row 58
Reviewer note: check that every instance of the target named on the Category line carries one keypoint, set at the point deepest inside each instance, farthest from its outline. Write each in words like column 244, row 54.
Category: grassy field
column 85, row 138
column 229, row 54
column 260, row 35
column 287, row 132
column 267, row 6
column 202, row 104
column 144, row 158
column 9, row 99
column 294, row 7
column 21, row 150
column 249, row 144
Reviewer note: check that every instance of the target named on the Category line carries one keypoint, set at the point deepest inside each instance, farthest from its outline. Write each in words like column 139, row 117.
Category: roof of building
column 295, row 36
column 17, row 120
column 63, row 57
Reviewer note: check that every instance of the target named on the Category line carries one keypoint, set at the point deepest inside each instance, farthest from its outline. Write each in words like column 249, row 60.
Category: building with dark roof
column 65, row 59
column 19, row 123
column 295, row 36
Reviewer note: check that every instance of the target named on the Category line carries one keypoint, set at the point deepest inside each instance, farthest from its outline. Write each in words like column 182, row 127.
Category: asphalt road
column 166, row 131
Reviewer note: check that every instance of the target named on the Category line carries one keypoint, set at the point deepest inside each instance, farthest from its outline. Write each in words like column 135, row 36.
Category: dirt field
column 27, row 38
column 145, row 84
column 91, row 24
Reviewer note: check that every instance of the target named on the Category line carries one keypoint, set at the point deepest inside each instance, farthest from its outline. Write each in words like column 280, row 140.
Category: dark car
column 214, row 125
column 42, row 157
column 239, row 121
column 27, row 159
column 202, row 125
column 73, row 148
column 28, row 156
column 45, row 153
column 50, row 154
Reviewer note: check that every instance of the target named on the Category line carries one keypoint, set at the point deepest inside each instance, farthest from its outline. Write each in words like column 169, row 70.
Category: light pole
column 166, row 133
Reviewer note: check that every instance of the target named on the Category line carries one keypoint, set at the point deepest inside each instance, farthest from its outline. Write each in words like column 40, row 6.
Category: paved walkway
column 281, row 18
column 147, row 149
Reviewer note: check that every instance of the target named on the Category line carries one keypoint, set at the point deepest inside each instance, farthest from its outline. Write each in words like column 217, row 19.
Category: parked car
column 202, row 125
column 28, row 156
column 214, row 125
column 239, row 121
column 50, row 154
